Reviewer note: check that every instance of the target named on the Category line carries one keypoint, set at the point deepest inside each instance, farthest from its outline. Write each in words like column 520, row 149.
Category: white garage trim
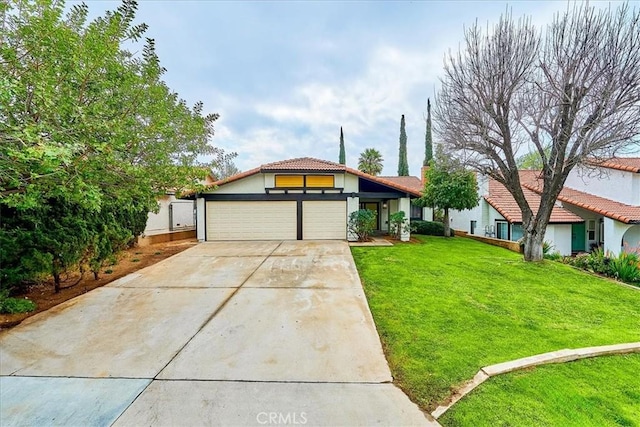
column 324, row 220
column 251, row 220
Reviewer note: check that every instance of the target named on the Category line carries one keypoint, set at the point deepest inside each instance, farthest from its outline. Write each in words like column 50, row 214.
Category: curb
column 560, row 356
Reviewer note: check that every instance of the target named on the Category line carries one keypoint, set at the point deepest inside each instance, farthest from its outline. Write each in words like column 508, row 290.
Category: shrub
column 362, row 223
column 625, row 267
column 398, row 224
column 428, row 228
column 599, row 262
column 9, row 305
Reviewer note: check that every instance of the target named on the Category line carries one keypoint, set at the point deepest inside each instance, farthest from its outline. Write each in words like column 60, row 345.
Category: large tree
column 403, row 164
column 342, row 159
column 448, row 185
column 428, row 138
column 571, row 93
column 88, row 130
column 370, row 161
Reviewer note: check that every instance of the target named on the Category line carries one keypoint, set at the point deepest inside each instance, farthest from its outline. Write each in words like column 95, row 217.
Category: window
column 516, row 232
column 416, row 212
column 289, row 181
column 591, row 229
column 472, row 229
column 502, row 230
column 325, row 181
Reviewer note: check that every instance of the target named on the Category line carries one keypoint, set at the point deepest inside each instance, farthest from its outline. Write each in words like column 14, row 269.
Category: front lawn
column 604, row 391
column 447, row 307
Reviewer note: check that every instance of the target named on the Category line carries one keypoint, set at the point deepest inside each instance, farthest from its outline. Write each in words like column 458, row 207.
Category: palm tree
column 370, row 161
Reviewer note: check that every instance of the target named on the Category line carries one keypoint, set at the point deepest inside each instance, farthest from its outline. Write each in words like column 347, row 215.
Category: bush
column 625, row 267
column 362, row 223
column 428, row 228
column 398, row 224
column 599, row 262
column 10, row 305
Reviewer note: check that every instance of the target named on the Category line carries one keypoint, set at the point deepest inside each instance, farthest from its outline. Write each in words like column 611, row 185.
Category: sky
column 285, row 76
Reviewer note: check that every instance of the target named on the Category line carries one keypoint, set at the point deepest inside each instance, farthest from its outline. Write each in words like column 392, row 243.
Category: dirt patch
column 128, row 262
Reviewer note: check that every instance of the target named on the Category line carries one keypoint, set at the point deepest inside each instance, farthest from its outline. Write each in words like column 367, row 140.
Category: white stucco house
column 599, row 207
column 299, row 199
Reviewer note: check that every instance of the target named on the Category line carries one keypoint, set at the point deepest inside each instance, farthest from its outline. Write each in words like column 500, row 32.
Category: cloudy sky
column 285, row 76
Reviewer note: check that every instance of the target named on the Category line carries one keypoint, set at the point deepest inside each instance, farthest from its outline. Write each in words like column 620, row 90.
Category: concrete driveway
column 233, row 333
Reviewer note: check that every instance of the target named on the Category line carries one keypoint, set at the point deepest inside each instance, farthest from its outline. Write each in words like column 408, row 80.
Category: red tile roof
column 502, row 201
column 303, row 164
column 310, row 164
column 610, row 208
column 406, row 181
column 629, row 164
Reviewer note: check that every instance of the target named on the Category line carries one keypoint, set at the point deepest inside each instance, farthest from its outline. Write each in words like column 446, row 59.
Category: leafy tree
column 532, row 160
column 403, row 164
column 370, row 161
column 343, row 158
column 90, row 135
column 571, row 93
column 449, row 186
column 428, row 140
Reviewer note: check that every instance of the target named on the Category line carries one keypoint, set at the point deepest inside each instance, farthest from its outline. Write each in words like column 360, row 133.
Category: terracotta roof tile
column 628, row 214
column 629, row 164
column 406, row 181
column 502, row 201
column 303, row 164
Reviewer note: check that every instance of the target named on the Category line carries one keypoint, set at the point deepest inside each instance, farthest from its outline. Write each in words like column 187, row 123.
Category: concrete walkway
column 249, row 333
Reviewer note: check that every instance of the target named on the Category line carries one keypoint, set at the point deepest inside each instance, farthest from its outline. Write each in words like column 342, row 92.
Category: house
column 175, row 219
column 297, row 199
column 601, row 201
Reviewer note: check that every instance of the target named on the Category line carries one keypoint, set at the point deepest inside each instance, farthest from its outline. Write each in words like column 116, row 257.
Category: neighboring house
column 605, row 202
column 175, row 219
column 297, row 199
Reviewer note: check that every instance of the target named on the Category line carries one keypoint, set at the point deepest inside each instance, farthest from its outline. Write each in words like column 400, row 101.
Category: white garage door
column 251, row 221
column 324, row 220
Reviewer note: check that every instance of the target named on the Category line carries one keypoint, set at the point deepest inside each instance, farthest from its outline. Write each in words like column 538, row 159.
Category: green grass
column 448, row 307
column 604, row 391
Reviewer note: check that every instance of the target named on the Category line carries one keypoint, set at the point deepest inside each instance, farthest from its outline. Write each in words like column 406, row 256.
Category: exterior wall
column 351, row 183
column 404, row 204
column 168, row 237
column 353, row 204
column 607, row 185
column 200, row 221
column 160, row 223
column 559, row 235
column 614, row 232
column 427, row 214
column 461, row 220
column 631, row 240
column 587, row 215
column 254, row 184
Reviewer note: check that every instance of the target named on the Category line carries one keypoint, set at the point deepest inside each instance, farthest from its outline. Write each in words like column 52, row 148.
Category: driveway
column 229, row 333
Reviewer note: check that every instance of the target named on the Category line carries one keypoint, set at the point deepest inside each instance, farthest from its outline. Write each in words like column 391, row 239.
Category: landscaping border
column 560, row 356
column 507, row 244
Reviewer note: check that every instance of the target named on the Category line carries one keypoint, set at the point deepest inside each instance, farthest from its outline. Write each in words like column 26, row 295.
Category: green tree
column 84, row 124
column 370, row 161
column 343, row 158
column 428, row 140
column 532, row 160
column 449, row 186
column 403, row 164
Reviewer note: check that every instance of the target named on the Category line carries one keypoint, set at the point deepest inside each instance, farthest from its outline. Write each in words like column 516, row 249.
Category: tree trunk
column 445, row 220
column 533, row 246
column 56, row 281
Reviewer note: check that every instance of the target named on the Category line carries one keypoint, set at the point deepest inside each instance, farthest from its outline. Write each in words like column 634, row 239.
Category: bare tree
column 571, row 94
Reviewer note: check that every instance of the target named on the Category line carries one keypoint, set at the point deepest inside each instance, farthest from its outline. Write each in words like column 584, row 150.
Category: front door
column 578, row 240
column 372, row 206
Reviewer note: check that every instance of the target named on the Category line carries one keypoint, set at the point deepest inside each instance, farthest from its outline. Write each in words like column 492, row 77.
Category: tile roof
column 628, row 214
column 407, row 181
column 310, row 164
column 502, row 201
column 629, row 164
column 303, row 164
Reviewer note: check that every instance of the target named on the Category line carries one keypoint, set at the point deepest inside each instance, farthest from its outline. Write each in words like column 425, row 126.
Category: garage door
column 324, row 220
column 251, row 220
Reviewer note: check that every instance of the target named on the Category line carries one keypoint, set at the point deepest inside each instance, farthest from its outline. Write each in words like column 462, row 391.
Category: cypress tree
column 343, row 158
column 403, row 164
column 428, row 141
